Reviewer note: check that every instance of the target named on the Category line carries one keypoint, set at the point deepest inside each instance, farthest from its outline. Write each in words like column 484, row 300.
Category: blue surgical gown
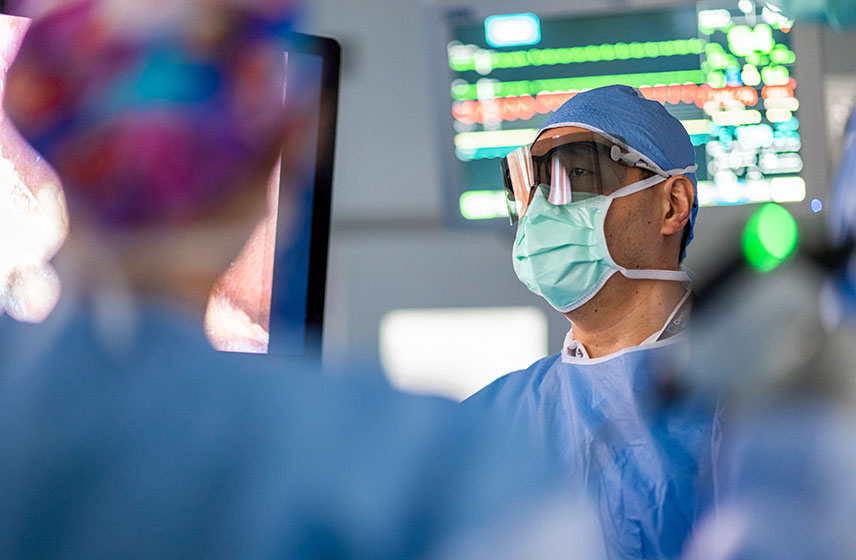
column 129, row 437
column 624, row 429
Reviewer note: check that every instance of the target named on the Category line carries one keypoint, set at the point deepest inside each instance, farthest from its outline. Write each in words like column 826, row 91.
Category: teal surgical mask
column 560, row 251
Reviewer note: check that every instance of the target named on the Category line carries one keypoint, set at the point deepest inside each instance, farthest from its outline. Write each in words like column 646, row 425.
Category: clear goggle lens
column 572, row 166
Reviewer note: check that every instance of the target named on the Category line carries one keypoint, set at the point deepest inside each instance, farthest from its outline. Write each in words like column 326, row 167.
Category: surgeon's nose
column 560, row 184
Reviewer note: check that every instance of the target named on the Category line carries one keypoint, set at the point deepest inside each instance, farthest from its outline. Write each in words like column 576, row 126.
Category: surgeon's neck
column 624, row 313
column 159, row 265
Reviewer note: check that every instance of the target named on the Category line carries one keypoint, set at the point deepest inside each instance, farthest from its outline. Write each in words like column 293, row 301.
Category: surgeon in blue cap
column 605, row 202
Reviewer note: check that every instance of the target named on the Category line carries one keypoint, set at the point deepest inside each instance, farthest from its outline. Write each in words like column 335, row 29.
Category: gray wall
column 389, row 247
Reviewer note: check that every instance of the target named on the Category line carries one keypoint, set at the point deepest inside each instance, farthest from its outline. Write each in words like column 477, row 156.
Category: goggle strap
column 650, row 181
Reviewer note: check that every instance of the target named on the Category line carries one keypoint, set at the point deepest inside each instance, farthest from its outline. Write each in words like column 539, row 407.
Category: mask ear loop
column 680, row 275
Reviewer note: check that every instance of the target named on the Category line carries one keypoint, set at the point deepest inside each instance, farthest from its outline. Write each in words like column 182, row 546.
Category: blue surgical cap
column 642, row 124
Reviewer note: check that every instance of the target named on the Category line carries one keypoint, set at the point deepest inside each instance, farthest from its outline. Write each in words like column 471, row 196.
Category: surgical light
column 770, row 237
column 512, row 30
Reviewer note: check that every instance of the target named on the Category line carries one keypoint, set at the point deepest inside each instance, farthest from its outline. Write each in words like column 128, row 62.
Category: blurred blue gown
column 623, row 428
column 129, row 437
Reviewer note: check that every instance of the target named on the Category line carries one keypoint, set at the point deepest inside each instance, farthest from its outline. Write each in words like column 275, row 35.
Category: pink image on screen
column 33, row 216
column 238, row 315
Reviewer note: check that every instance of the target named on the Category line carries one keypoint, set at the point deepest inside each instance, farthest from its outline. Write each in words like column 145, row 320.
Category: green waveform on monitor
column 470, row 57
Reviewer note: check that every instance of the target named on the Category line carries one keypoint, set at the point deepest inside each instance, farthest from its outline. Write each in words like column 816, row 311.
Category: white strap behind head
column 650, row 182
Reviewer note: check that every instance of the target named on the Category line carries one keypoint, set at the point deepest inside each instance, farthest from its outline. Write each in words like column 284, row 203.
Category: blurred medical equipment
column 777, row 340
column 271, row 299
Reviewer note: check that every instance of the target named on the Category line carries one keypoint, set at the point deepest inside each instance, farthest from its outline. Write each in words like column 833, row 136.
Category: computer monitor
column 271, row 300
column 726, row 70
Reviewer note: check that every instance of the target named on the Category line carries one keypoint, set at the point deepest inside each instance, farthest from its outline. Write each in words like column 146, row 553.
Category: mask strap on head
column 651, row 181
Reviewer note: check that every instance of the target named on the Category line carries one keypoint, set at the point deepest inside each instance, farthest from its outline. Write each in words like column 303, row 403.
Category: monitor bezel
column 322, row 191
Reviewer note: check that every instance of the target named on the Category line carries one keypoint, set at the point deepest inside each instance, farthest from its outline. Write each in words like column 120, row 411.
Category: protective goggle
column 573, row 166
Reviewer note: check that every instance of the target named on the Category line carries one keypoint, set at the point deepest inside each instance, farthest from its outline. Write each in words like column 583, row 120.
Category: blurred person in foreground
column 123, row 433
column 785, row 481
column 786, row 487
column 782, row 347
column 605, row 202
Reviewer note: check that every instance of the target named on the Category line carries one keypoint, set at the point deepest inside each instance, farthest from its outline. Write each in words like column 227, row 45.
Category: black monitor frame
column 330, row 51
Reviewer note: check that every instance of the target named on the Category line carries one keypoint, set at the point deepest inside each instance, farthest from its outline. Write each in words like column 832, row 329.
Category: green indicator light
column 775, row 75
column 637, row 50
column 770, row 237
column 711, row 48
column 461, row 65
column 463, row 91
column 622, row 51
column 718, row 60
column 782, row 55
column 716, row 79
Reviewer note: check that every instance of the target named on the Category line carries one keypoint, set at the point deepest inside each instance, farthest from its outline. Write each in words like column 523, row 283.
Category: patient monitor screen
column 726, row 73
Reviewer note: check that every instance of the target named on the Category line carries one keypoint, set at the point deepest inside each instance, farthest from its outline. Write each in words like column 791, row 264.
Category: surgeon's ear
column 680, row 194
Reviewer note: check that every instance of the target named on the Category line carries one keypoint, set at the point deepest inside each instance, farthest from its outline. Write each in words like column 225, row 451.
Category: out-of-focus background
column 434, row 92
